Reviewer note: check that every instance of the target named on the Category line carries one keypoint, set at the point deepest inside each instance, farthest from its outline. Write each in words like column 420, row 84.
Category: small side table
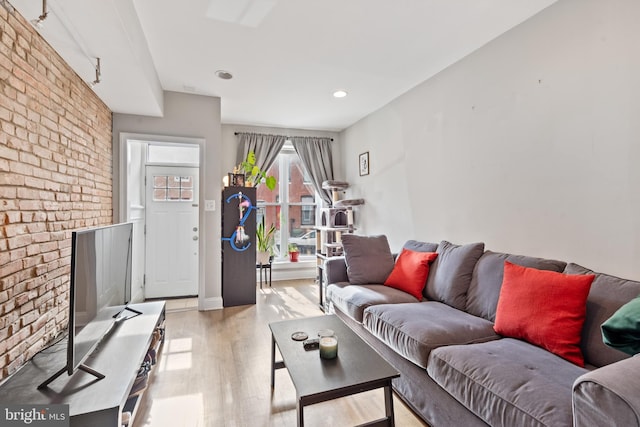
column 265, row 267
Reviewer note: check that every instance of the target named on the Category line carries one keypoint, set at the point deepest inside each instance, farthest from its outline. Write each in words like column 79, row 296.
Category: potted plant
column 253, row 175
column 266, row 242
column 293, row 252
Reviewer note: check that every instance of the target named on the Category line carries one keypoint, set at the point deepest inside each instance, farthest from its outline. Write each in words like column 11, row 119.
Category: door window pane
column 172, row 188
column 159, row 182
column 159, row 194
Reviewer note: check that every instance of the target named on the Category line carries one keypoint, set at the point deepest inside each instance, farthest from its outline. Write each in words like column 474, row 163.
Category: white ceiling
column 287, row 56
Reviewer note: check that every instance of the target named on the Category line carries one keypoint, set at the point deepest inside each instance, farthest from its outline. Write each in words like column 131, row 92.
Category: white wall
column 531, row 144
column 192, row 116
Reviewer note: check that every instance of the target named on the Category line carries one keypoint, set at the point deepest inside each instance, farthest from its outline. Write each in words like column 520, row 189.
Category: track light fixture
column 98, row 74
column 66, row 24
column 39, row 22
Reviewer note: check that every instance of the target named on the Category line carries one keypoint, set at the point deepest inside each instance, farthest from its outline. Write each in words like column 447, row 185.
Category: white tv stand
column 92, row 402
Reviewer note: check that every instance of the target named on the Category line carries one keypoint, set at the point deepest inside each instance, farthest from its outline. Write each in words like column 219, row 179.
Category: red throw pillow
column 544, row 308
column 410, row 272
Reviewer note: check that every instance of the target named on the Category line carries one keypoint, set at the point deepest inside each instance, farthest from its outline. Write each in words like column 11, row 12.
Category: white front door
column 172, row 231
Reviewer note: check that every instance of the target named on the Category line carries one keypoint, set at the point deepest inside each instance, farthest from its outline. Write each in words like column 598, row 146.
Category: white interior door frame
column 125, row 211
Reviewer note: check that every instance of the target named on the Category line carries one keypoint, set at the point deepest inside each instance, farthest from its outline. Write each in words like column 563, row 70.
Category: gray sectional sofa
column 456, row 370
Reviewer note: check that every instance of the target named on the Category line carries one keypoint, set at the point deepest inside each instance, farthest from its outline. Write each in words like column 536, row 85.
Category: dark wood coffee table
column 357, row 368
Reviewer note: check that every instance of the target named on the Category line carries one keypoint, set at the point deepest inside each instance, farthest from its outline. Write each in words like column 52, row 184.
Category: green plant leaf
column 251, row 158
column 253, row 174
column 271, row 183
column 266, row 238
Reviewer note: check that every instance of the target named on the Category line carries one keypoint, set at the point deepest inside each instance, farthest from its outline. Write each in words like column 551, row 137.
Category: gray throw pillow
column 368, row 258
column 450, row 273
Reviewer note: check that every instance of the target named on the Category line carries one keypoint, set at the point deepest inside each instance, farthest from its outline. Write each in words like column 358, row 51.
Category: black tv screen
column 100, row 286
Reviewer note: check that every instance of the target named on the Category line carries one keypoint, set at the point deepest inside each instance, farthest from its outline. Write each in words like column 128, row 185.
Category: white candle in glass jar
column 328, row 347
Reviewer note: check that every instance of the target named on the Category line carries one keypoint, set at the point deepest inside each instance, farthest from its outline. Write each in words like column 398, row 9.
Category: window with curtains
column 291, row 206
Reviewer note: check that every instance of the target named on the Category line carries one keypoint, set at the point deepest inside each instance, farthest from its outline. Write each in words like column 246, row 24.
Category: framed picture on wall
column 364, row 164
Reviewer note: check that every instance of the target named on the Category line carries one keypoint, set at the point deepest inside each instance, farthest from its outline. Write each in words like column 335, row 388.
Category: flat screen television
column 100, row 290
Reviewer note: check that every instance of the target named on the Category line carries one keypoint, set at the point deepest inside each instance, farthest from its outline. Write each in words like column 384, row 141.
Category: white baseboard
column 206, row 304
column 281, row 271
column 291, row 271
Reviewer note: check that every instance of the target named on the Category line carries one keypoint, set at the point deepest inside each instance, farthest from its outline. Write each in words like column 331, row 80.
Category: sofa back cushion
column 450, row 273
column 368, row 258
column 417, row 246
column 607, row 295
column 484, row 289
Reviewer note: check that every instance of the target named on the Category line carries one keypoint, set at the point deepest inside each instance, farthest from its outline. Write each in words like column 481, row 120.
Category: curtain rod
column 288, row 137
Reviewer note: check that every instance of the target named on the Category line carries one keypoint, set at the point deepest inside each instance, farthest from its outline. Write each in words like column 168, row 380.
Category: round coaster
column 299, row 336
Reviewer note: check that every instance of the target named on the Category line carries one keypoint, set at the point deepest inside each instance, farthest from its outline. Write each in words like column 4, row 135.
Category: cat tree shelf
column 334, row 222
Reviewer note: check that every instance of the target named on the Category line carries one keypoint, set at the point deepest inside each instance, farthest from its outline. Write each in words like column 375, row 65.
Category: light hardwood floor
column 214, row 370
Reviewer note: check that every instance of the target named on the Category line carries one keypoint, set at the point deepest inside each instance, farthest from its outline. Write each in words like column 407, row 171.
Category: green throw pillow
column 622, row 330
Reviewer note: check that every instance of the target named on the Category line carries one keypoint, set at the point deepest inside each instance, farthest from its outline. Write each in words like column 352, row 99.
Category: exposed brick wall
column 55, row 176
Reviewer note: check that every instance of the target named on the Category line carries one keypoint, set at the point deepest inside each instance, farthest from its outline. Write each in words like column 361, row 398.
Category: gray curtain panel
column 315, row 154
column 266, row 148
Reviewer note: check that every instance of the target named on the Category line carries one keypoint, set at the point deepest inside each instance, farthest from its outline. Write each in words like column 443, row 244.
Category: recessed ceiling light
column 339, row 94
column 224, row 75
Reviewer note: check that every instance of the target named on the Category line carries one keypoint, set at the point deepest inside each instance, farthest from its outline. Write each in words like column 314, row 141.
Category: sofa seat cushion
column 352, row 300
column 413, row 330
column 507, row 382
